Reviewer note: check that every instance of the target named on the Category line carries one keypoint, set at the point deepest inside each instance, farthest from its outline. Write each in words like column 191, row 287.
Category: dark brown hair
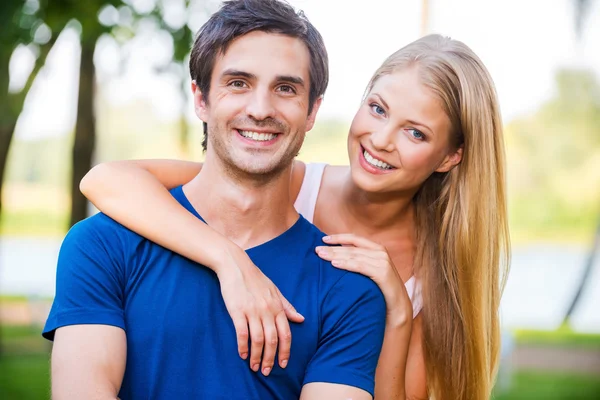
column 240, row 17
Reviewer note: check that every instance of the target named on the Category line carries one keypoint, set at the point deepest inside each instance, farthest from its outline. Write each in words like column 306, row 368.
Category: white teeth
column 375, row 162
column 260, row 137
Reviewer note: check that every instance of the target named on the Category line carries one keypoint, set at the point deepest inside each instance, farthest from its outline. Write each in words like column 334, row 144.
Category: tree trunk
column 85, row 132
column 424, row 17
column 585, row 276
column 6, row 135
column 11, row 104
column 184, row 129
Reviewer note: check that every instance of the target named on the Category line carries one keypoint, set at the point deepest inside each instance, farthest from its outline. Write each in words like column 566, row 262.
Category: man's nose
column 260, row 105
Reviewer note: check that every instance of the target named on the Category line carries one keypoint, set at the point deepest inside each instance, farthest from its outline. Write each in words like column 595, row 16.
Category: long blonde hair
column 463, row 245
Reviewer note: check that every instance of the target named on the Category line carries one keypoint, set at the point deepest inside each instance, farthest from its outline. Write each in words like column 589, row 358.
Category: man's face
column 257, row 108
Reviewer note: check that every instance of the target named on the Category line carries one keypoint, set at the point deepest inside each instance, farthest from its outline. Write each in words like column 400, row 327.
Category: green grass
column 562, row 336
column 530, row 385
column 24, row 364
column 12, row 298
column 25, row 377
column 24, row 368
column 18, row 298
column 34, row 223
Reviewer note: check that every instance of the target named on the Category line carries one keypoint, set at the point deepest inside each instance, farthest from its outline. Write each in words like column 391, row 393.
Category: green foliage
column 34, row 223
column 554, row 160
column 25, row 377
column 563, row 336
column 24, row 364
column 534, row 385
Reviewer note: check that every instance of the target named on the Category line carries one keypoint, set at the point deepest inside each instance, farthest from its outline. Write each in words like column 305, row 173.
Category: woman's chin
column 365, row 182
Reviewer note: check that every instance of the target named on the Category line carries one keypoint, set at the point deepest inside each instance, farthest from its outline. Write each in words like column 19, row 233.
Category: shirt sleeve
column 352, row 330
column 89, row 278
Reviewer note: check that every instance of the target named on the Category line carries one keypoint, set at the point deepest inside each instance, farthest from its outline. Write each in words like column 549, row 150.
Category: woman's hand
column 258, row 310
column 371, row 259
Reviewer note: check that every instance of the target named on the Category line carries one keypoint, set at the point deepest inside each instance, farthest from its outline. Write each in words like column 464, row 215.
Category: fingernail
column 283, row 363
column 266, row 371
column 244, row 355
column 336, row 263
column 326, row 238
column 320, row 248
column 255, row 367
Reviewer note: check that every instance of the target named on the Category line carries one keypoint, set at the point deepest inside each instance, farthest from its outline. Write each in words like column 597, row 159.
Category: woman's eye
column 377, row 109
column 416, row 134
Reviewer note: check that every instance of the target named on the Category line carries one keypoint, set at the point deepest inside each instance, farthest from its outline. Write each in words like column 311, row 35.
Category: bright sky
column 522, row 43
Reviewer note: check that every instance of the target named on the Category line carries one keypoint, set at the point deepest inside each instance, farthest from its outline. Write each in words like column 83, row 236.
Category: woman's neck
column 375, row 213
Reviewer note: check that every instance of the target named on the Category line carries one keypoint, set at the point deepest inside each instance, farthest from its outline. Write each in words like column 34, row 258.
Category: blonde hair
column 463, row 245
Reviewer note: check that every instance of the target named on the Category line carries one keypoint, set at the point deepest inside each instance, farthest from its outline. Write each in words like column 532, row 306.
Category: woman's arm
column 134, row 193
column 416, row 373
column 400, row 369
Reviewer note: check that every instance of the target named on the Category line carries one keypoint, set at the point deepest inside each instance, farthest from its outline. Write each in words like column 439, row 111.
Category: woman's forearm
column 391, row 368
column 134, row 197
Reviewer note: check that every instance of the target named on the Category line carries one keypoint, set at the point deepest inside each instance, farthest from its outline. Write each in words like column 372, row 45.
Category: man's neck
column 247, row 210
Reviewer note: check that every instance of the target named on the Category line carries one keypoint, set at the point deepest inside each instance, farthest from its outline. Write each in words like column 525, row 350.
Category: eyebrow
column 412, row 122
column 235, row 72
column 382, row 100
column 279, row 78
column 290, row 79
column 421, row 125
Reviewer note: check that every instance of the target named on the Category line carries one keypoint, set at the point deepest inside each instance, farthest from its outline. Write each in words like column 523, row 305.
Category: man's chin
column 269, row 168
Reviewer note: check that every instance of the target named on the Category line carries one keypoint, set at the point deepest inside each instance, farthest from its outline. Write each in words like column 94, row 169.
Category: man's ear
column 200, row 107
column 451, row 160
column 310, row 121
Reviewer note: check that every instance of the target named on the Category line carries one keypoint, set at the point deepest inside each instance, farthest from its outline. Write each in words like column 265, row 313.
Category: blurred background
column 83, row 82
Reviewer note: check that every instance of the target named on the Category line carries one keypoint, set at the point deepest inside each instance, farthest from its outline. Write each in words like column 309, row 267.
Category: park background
column 83, row 82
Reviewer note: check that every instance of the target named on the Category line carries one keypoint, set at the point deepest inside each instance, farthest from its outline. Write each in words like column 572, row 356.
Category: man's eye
column 237, row 84
column 286, row 89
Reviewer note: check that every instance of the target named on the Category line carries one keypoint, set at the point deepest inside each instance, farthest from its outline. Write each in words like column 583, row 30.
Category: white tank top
column 305, row 204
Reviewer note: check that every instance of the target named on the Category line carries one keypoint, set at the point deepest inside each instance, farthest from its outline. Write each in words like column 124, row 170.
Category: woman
column 425, row 184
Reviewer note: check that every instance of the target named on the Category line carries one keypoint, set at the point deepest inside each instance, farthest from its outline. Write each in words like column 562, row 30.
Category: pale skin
column 401, row 123
column 261, row 76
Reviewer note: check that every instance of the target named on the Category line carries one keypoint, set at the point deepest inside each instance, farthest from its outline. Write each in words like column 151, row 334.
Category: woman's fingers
column 241, row 331
column 257, row 340
column 270, row 346
column 285, row 339
column 333, row 252
column 349, row 239
column 355, row 265
column 355, row 260
column 289, row 309
column 260, row 316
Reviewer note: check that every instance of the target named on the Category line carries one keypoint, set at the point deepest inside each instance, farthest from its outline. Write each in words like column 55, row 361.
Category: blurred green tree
column 581, row 12
column 20, row 26
column 556, row 159
column 37, row 23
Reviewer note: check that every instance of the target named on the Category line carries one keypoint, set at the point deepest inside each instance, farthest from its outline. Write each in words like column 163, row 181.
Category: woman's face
column 399, row 136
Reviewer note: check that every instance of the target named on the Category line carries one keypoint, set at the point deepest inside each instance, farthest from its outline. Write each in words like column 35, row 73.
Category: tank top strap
column 309, row 191
column 413, row 288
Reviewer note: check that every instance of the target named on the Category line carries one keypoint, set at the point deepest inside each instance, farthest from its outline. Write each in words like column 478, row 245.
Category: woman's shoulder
column 298, row 171
column 333, row 177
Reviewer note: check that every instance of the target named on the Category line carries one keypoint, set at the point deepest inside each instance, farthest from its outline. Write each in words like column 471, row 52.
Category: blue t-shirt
column 181, row 343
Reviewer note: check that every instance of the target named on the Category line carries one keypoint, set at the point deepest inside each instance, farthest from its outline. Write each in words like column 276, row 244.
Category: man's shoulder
column 336, row 278
column 100, row 229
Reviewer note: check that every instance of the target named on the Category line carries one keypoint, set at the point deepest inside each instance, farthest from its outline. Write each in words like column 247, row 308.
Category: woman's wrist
column 228, row 258
column 400, row 316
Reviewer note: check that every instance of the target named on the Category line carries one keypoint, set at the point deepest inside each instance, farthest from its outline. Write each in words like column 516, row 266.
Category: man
column 133, row 320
